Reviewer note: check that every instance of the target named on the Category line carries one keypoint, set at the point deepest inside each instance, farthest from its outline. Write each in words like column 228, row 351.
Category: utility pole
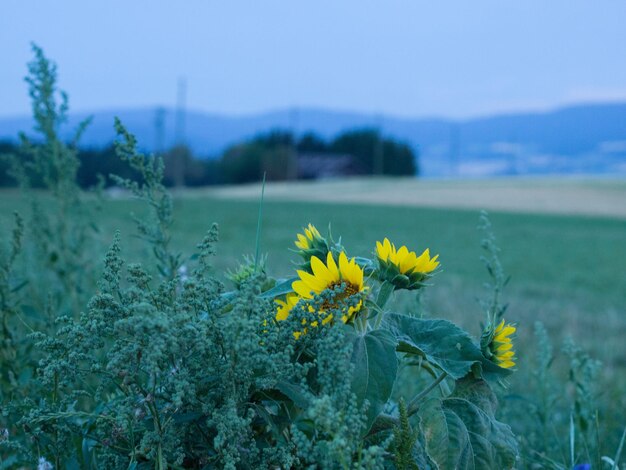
column 181, row 102
column 159, row 130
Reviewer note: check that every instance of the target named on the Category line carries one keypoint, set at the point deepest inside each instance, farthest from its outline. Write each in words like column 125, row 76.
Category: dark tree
column 6, row 148
column 375, row 153
column 312, row 143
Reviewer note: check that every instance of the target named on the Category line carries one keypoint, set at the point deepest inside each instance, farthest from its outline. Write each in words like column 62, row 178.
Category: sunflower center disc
column 340, row 296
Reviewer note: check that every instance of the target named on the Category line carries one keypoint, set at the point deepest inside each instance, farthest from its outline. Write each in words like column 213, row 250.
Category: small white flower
column 182, row 272
column 4, row 434
column 43, row 464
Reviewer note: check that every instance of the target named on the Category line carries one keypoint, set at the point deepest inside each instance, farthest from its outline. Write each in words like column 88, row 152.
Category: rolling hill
column 588, row 138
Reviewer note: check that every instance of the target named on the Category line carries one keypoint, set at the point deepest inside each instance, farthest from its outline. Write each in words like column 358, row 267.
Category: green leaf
column 31, row 312
column 294, row 392
column 461, row 431
column 281, row 288
column 16, row 286
column 189, row 417
column 375, row 368
column 87, row 449
column 267, row 417
column 7, row 462
column 441, row 343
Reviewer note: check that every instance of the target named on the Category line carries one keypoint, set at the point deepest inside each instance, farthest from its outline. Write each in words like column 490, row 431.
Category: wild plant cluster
column 160, row 365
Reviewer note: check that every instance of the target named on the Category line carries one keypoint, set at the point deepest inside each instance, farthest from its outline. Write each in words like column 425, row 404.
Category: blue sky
column 404, row 57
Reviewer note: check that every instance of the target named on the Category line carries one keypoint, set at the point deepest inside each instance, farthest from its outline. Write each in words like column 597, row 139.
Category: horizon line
column 376, row 116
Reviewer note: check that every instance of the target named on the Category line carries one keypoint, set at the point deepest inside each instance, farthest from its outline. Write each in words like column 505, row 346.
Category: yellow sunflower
column 305, row 241
column 328, row 276
column 402, row 267
column 502, row 346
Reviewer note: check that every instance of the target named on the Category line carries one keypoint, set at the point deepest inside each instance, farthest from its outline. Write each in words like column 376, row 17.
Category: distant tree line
column 278, row 154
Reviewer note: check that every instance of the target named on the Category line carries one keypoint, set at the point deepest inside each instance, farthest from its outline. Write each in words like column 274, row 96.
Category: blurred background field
column 600, row 196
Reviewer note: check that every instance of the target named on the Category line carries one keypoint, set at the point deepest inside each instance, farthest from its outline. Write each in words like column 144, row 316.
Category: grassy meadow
column 567, row 270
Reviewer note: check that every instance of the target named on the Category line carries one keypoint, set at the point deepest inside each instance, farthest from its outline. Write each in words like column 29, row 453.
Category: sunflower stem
column 360, row 322
column 385, row 291
column 414, row 404
column 380, row 315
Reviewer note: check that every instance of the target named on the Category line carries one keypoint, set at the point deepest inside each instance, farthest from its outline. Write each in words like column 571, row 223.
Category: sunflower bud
column 403, row 268
column 309, row 244
column 497, row 346
column 248, row 270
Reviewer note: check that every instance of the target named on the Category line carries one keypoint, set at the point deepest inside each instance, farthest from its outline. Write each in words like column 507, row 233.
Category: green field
column 567, row 271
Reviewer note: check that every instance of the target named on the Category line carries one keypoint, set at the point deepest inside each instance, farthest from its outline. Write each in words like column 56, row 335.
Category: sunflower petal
column 316, row 283
column 332, row 267
column 321, row 271
column 302, row 289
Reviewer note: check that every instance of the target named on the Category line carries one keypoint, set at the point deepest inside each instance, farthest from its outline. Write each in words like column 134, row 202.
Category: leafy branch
column 156, row 229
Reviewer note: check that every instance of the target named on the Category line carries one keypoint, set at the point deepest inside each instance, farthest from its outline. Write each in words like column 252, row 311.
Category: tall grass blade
column 572, row 441
column 618, row 454
column 258, row 226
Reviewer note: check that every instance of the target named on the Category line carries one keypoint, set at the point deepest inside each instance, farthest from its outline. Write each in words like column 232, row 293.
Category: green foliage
column 161, row 371
column 97, row 164
column 542, row 288
column 462, row 432
column 10, row 285
column 151, row 190
column 583, row 374
column 558, row 420
column 54, row 163
column 375, row 369
column 443, row 345
column 60, row 227
column 7, row 155
column 171, row 371
column 497, row 278
column 405, row 438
